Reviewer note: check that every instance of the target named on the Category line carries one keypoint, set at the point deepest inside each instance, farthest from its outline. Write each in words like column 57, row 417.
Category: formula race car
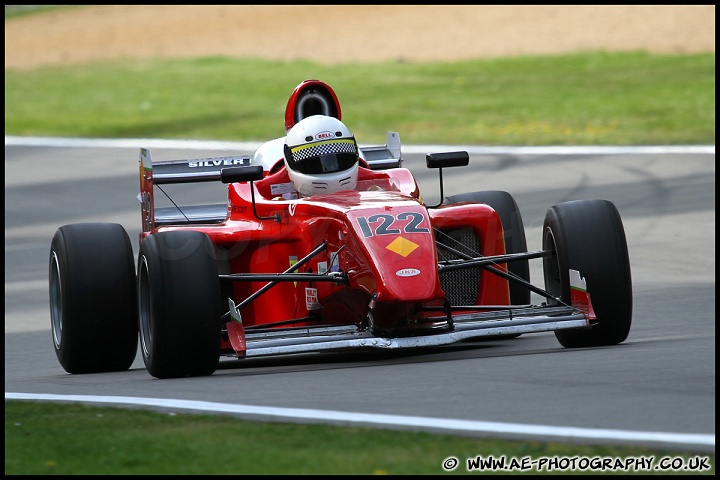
column 275, row 269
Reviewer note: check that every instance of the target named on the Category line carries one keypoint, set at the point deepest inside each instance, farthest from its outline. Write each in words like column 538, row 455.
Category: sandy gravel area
column 337, row 33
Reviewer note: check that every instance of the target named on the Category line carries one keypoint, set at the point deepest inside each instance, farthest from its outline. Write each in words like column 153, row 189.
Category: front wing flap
column 465, row 326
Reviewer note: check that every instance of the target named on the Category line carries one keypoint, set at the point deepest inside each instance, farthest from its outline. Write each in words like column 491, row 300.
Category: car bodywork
column 269, row 273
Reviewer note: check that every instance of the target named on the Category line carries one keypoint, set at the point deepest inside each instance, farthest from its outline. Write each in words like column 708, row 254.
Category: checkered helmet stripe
column 326, row 147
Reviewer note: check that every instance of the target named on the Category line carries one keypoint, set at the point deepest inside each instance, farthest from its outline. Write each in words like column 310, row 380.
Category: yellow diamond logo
column 402, row 246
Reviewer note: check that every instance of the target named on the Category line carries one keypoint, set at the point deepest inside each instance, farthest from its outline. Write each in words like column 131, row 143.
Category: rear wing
column 181, row 171
column 208, row 170
column 384, row 156
column 188, row 171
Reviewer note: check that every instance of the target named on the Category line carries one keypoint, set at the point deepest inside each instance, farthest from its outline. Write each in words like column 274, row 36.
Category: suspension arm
column 274, row 282
column 488, row 263
column 336, row 277
column 469, row 262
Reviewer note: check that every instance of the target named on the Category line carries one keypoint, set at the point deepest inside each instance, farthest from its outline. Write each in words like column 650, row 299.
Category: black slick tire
column 93, row 305
column 179, row 306
column 588, row 236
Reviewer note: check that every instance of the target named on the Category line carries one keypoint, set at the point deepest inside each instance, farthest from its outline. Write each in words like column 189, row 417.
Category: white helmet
column 321, row 156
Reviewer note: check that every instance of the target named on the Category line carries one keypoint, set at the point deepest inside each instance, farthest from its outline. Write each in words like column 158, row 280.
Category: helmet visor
column 328, row 156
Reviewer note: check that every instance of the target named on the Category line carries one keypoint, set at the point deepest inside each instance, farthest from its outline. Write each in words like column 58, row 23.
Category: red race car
column 324, row 245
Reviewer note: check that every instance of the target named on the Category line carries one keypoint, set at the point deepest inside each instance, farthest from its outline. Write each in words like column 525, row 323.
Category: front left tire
column 179, row 304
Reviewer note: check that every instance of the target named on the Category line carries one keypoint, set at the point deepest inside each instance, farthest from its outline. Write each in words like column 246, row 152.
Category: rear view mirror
column 447, row 159
column 246, row 173
column 443, row 160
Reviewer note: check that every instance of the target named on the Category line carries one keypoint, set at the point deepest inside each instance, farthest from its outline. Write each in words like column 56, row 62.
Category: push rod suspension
column 488, row 263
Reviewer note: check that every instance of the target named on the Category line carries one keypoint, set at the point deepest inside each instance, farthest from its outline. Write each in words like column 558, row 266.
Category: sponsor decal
column 284, row 190
column 311, row 299
column 324, row 135
column 334, row 261
column 280, row 188
column 292, row 259
column 220, row 162
column 146, row 203
column 407, row 272
column 402, row 246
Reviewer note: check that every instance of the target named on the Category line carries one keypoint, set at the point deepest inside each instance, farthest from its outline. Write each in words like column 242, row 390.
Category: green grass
column 13, row 11
column 582, row 99
column 71, row 439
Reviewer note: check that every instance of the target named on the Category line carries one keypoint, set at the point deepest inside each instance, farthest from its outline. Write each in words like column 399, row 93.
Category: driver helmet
column 321, row 156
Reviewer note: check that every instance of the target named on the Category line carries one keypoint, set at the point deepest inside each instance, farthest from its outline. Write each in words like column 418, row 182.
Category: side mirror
column 443, row 160
column 245, row 173
column 447, row 159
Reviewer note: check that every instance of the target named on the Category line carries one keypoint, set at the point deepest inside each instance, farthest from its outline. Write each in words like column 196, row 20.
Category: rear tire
column 93, row 303
column 588, row 236
column 179, row 299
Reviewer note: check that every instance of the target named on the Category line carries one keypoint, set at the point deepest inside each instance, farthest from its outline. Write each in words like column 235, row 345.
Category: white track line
column 380, row 419
column 410, row 149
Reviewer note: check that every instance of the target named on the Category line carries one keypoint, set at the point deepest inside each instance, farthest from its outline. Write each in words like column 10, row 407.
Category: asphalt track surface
column 657, row 388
